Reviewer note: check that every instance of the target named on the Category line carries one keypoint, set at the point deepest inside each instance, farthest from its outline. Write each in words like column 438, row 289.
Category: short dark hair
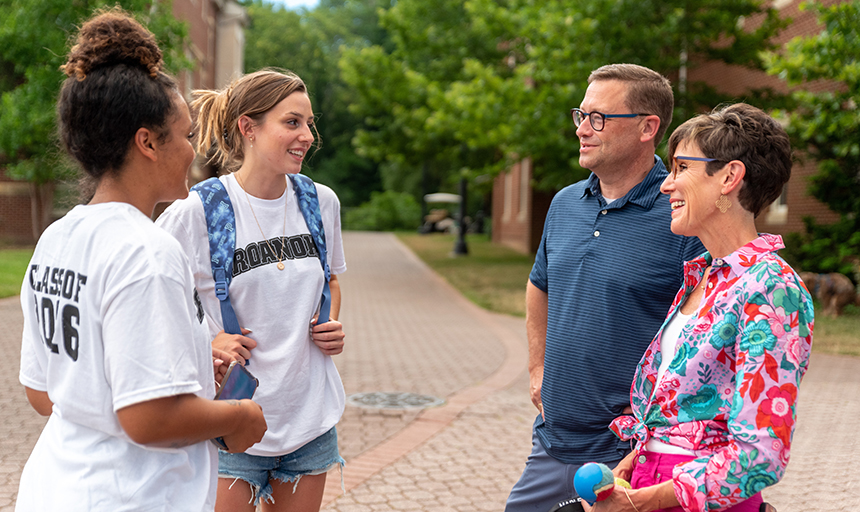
column 115, row 86
column 648, row 92
column 742, row 132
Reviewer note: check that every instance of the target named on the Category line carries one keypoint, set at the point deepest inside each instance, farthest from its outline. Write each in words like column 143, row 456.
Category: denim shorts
column 315, row 458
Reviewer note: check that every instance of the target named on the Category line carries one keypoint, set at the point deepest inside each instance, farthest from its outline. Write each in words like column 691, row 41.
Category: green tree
column 471, row 85
column 827, row 125
column 33, row 43
column 309, row 43
column 400, row 88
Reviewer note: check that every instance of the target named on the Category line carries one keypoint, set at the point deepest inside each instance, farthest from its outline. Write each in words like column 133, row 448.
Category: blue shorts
column 315, row 458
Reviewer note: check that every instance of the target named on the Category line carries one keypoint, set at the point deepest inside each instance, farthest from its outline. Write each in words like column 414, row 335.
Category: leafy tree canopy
column 468, row 85
column 826, row 124
column 34, row 37
column 309, row 43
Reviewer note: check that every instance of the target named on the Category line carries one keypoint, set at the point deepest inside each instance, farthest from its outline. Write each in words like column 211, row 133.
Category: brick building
column 216, row 47
column 519, row 210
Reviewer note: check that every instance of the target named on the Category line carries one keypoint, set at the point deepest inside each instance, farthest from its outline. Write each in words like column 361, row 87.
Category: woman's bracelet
column 628, row 499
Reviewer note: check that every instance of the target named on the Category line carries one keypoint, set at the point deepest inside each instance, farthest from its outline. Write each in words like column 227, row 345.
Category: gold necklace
column 281, row 256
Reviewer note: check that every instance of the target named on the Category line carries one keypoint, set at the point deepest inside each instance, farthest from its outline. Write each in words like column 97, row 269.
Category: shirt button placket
column 596, row 231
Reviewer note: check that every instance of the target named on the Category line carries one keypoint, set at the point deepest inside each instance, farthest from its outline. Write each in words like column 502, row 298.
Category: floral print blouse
column 730, row 393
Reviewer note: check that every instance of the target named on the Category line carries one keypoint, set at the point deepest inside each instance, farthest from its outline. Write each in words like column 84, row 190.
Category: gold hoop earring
column 723, row 203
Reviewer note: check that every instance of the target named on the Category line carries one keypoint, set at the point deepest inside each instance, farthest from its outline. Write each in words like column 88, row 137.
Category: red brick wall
column 737, row 80
column 519, row 214
column 201, row 18
column 15, row 218
column 508, row 228
column 800, row 204
column 511, row 219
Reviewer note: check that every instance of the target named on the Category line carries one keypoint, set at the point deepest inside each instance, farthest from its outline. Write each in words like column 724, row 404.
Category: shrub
column 386, row 211
column 826, row 248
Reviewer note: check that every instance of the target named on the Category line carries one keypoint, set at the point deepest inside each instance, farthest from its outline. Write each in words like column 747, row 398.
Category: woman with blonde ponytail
column 260, row 130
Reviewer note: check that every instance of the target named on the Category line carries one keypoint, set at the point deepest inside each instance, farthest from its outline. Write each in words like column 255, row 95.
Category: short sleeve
column 538, row 275
column 186, row 221
column 150, row 351
column 33, row 360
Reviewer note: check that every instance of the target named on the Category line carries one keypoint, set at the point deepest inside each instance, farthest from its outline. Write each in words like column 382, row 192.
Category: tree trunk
column 41, row 206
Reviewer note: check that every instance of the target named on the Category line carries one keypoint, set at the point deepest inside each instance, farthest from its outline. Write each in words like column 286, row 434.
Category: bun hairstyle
column 218, row 112
column 115, row 86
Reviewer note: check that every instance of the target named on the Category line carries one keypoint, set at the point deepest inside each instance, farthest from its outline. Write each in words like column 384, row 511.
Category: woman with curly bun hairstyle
column 114, row 348
column 262, row 127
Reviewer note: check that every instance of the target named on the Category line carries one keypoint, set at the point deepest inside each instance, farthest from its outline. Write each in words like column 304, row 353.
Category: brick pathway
column 407, row 330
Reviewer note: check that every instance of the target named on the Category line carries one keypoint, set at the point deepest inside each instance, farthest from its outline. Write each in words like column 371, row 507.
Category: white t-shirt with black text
column 111, row 319
column 300, row 389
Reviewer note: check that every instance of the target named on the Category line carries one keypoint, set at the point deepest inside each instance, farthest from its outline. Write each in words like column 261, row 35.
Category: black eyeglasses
column 598, row 119
column 677, row 169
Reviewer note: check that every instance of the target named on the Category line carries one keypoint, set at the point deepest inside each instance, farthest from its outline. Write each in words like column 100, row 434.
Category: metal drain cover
column 382, row 400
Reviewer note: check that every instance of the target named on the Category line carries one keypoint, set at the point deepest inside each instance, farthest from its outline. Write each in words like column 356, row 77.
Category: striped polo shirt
column 611, row 273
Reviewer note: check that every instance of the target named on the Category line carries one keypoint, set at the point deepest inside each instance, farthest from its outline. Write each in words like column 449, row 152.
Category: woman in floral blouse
column 714, row 397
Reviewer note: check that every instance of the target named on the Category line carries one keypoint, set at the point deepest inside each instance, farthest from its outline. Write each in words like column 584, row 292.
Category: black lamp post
column 460, row 247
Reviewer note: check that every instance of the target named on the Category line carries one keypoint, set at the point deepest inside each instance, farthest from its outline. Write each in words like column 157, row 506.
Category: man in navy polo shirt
column 604, row 276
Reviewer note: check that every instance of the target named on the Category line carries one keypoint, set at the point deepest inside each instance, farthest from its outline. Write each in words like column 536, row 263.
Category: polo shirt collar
column 643, row 194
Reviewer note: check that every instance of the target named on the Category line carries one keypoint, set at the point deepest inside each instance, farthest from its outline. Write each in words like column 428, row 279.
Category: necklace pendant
column 280, row 266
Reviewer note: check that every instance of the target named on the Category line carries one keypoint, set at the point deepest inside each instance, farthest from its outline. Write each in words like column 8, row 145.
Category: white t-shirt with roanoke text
column 111, row 319
column 300, row 389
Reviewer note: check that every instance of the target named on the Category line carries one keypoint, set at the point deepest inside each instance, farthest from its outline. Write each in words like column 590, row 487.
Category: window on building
column 777, row 213
column 525, row 179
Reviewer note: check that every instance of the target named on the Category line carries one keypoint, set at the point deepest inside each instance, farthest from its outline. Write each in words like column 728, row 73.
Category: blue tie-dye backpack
column 221, row 225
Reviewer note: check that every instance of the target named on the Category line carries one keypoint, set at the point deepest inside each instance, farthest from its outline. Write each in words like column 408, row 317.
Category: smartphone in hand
column 238, row 384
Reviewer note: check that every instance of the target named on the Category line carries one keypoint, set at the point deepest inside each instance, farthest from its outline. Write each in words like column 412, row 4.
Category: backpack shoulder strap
column 309, row 204
column 221, row 226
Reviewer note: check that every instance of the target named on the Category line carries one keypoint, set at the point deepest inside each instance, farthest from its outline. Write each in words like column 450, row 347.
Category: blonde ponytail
column 218, row 112
column 219, row 141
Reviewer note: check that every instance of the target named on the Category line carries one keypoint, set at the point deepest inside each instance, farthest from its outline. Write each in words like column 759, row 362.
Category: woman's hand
column 646, row 499
column 616, row 502
column 39, row 401
column 237, row 347
column 624, row 469
column 535, row 385
column 220, row 363
column 252, row 426
column 328, row 336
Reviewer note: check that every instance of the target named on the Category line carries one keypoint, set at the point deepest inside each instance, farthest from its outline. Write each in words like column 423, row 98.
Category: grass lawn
column 494, row 277
column 13, row 264
column 839, row 335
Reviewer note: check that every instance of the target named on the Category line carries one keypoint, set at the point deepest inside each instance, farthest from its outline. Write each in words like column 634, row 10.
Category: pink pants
column 651, row 468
